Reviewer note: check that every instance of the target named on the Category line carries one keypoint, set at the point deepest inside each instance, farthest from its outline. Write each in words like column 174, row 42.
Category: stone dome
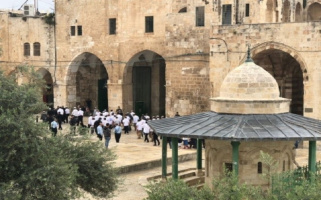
column 249, row 89
column 249, row 82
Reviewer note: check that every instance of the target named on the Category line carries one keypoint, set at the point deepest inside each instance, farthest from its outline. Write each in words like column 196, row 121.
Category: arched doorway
column 286, row 11
column 287, row 72
column 314, row 12
column 144, row 82
column 48, row 89
column 271, row 13
column 87, row 82
column 298, row 12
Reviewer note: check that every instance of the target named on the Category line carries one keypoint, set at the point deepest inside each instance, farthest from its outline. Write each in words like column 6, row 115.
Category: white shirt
column 146, row 128
column 60, row 111
column 75, row 112
column 135, row 119
column 126, row 122
column 80, row 113
column 120, row 117
column 139, row 125
column 67, row 111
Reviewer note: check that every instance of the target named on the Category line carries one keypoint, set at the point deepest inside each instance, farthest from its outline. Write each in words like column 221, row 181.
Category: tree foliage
column 34, row 165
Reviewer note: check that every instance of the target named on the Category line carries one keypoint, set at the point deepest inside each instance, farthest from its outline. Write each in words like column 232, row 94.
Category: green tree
column 34, row 165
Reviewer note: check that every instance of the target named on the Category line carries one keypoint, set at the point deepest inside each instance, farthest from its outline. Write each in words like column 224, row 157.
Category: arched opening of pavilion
column 47, row 89
column 314, row 12
column 144, row 84
column 287, row 72
column 87, row 82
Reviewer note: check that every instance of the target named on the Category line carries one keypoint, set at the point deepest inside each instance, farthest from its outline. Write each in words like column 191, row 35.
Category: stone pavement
column 133, row 154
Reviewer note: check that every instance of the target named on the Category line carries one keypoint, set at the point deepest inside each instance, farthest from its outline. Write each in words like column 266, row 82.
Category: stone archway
column 144, row 84
column 286, row 11
column 298, row 12
column 288, row 73
column 314, row 12
column 87, row 82
column 48, row 89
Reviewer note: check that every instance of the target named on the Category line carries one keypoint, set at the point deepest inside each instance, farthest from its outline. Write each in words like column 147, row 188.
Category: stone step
column 195, row 180
column 155, row 163
column 199, row 186
column 185, row 175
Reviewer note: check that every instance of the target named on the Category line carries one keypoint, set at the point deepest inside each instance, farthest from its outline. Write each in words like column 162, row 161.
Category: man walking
column 54, row 126
column 107, row 135
column 146, row 130
column 126, row 125
column 117, row 133
column 100, row 131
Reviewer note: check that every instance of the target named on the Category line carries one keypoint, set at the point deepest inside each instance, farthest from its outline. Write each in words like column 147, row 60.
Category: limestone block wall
column 15, row 30
column 187, row 72
column 299, row 40
column 217, row 153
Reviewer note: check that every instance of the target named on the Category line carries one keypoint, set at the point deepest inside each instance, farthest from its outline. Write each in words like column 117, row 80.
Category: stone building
column 163, row 57
column 28, row 40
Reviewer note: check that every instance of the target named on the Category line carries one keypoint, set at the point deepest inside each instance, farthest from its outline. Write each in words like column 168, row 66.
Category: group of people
column 102, row 123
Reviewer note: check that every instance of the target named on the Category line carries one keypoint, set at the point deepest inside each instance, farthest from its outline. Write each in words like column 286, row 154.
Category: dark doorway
column 102, row 94
column 142, row 89
column 287, row 72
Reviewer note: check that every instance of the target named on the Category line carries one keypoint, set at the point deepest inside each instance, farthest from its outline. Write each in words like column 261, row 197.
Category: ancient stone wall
column 218, row 155
column 295, row 40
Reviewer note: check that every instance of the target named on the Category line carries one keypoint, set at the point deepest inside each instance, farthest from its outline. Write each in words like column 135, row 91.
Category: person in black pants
column 155, row 137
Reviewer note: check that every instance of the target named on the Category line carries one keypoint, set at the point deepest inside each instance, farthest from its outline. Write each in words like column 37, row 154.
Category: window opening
column 149, row 24
column 72, row 30
column 228, row 168
column 183, row 10
column 200, row 16
column 227, row 14
column 247, row 10
column 36, row 49
column 26, row 49
column 259, row 167
column 79, row 30
column 112, row 26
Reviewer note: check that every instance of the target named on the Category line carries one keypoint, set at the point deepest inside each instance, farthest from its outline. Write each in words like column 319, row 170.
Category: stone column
column 175, row 158
column 164, row 158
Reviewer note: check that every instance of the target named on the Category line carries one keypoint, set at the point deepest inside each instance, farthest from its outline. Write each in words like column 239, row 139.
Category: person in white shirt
column 135, row 120
column 146, row 130
column 67, row 113
column 91, row 122
column 139, row 128
column 80, row 117
column 126, row 125
column 75, row 112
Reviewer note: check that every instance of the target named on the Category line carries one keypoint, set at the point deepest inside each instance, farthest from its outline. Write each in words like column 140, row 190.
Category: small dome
column 249, row 82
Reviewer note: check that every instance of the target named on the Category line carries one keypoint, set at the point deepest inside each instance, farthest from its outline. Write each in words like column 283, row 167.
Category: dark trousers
column 59, row 122
column 80, row 120
column 126, row 128
column 155, row 137
column 54, row 131
column 66, row 118
column 146, row 137
column 117, row 137
column 100, row 137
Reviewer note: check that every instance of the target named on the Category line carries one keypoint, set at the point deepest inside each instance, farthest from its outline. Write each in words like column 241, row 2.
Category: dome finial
column 249, row 59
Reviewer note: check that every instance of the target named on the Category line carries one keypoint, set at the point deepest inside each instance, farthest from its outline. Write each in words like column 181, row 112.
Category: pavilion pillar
column 164, row 158
column 312, row 157
column 175, row 158
column 199, row 157
column 235, row 157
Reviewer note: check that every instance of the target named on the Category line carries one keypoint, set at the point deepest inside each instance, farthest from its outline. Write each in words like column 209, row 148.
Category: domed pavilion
column 249, row 116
